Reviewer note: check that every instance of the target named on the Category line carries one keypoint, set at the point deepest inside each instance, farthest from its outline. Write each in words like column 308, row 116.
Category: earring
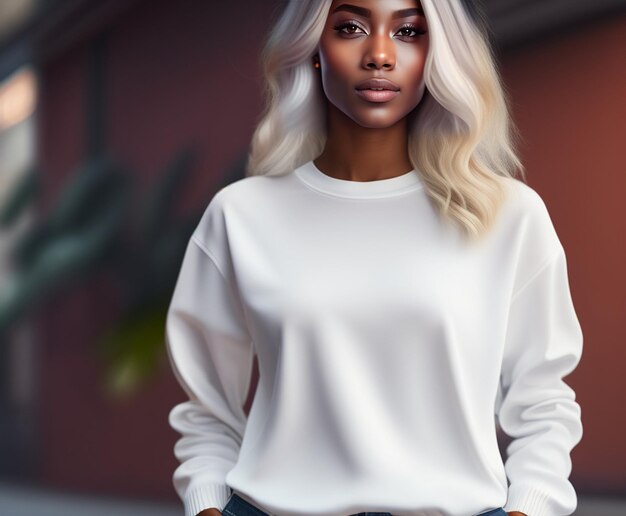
column 316, row 64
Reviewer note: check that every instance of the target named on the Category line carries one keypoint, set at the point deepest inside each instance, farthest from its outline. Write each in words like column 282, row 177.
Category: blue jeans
column 237, row 506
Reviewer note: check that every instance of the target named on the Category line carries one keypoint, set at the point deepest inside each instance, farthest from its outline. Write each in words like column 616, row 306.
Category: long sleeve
column 536, row 407
column 211, row 354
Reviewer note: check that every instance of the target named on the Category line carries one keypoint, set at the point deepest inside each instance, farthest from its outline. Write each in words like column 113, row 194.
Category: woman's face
column 367, row 39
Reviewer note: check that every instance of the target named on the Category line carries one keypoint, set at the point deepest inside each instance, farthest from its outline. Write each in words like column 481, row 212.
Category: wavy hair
column 461, row 139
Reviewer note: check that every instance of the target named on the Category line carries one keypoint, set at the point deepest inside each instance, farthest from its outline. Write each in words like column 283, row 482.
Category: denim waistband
column 237, row 506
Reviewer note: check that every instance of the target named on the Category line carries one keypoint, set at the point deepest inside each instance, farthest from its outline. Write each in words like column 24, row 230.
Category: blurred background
column 118, row 122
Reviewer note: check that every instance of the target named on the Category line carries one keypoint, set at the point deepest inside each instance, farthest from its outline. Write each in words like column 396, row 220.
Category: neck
column 358, row 153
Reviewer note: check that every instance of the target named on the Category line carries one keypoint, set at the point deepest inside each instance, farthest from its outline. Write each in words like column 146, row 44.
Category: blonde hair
column 460, row 136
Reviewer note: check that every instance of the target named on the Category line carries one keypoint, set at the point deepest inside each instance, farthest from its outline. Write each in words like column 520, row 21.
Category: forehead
column 374, row 7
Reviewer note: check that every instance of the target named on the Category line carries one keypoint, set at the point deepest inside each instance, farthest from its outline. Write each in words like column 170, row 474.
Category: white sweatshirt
column 388, row 348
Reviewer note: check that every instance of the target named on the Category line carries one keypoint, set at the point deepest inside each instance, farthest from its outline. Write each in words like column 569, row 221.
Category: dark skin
column 368, row 141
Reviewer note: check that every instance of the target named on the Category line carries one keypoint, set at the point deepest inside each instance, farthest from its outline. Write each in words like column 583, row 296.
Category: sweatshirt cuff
column 205, row 497
column 527, row 499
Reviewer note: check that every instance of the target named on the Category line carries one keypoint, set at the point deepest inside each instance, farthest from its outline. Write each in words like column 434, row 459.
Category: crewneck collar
column 318, row 180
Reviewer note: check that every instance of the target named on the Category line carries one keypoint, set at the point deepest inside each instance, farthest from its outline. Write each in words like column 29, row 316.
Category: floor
column 17, row 500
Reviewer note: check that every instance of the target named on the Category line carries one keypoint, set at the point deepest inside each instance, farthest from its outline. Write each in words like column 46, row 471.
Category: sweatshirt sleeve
column 211, row 354
column 537, row 408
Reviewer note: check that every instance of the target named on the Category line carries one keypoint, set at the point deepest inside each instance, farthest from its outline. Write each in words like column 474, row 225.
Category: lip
column 377, row 96
column 386, row 84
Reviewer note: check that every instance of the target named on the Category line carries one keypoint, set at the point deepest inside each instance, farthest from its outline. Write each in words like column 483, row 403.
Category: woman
column 399, row 286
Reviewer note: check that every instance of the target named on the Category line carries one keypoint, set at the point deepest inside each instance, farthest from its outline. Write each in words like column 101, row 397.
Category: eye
column 350, row 24
column 414, row 28
column 407, row 27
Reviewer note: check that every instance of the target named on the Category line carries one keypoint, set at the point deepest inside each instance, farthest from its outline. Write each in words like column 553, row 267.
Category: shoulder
column 524, row 200
column 525, row 207
column 230, row 201
column 247, row 191
column 529, row 226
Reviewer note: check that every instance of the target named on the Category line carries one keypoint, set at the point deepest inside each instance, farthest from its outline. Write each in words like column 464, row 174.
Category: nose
column 380, row 52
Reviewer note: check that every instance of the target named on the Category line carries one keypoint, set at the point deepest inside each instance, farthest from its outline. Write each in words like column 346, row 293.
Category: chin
column 377, row 122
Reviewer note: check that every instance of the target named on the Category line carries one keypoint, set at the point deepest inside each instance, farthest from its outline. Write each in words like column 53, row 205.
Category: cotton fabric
column 388, row 348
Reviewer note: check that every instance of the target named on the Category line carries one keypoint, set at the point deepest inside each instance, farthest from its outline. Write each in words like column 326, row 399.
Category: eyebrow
column 362, row 11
